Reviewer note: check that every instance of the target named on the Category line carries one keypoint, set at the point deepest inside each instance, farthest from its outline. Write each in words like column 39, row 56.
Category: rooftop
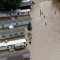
column 11, row 31
column 26, row 0
column 12, row 42
column 15, row 20
column 15, row 55
column 16, row 11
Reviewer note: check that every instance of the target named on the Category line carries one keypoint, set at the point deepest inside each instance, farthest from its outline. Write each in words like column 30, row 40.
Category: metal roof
column 15, row 21
column 11, row 31
column 25, row 4
column 15, row 11
column 12, row 42
column 16, row 57
column 12, row 55
column 24, row 10
column 26, row 0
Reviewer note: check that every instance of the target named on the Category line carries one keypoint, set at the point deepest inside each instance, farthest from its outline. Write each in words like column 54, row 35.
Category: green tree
column 59, row 0
column 29, row 26
column 9, row 4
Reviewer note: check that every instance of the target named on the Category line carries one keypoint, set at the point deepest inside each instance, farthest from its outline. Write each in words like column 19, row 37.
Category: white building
column 17, row 44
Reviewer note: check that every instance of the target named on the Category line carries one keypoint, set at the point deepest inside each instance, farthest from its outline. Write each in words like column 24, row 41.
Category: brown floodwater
column 46, row 31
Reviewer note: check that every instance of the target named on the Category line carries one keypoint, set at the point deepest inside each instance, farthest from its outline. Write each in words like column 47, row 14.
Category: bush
column 29, row 26
column 9, row 4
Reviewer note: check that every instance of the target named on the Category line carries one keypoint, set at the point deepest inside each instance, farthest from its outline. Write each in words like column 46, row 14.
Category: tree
column 29, row 26
column 9, row 4
column 59, row 0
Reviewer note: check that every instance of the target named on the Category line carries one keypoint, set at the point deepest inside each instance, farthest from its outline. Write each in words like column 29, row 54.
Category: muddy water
column 46, row 38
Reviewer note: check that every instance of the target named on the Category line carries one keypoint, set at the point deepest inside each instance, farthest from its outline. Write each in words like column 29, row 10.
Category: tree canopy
column 9, row 4
column 29, row 26
column 59, row 0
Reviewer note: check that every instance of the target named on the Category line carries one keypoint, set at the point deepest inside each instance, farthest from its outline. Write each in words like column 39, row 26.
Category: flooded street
column 46, row 31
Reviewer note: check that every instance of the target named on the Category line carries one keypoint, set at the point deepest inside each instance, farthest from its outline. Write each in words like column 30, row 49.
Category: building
column 13, row 45
column 26, row 4
column 11, row 33
column 21, row 55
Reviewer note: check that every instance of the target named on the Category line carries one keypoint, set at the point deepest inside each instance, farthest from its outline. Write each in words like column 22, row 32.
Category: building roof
column 15, row 11
column 15, row 55
column 11, row 31
column 19, row 10
column 19, row 41
column 26, row 0
column 25, row 4
column 15, row 20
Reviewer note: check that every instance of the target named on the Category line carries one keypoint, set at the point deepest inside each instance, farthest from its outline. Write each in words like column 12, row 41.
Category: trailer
column 16, row 44
column 22, row 44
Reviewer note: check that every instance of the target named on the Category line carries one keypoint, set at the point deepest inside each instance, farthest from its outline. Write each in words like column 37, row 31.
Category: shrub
column 29, row 26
